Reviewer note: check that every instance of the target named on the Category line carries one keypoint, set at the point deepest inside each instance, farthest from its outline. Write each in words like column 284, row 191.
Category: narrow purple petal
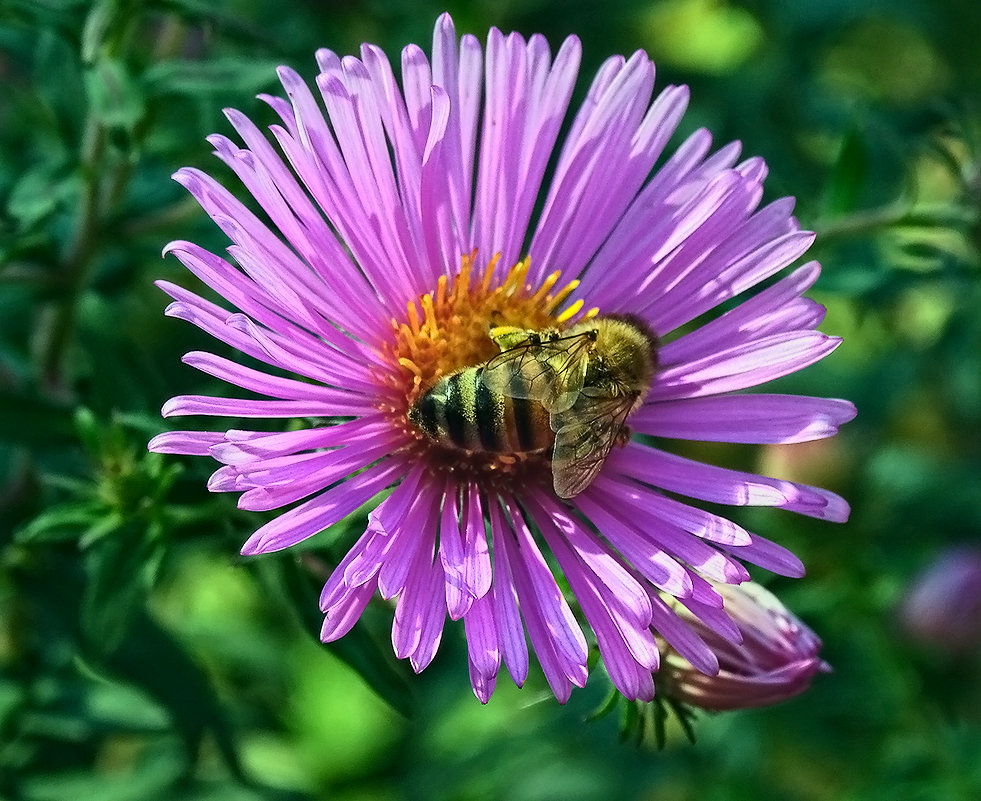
column 511, row 634
column 191, row 443
column 282, row 487
column 633, row 503
column 210, row 318
column 627, row 646
column 477, row 565
column 307, row 355
column 342, row 616
column 339, row 583
column 566, row 635
column 720, row 485
column 341, row 404
column 756, row 419
column 240, row 447
column 776, row 309
column 682, row 638
column 458, row 600
column 725, row 276
column 323, row 510
column 410, row 536
column 623, row 589
column 431, row 616
column 659, row 568
column 483, row 685
column 769, row 555
column 554, row 633
column 413, row 606
column 255, row 380
column 745, row 365
column 482, row 646
column 716, row 619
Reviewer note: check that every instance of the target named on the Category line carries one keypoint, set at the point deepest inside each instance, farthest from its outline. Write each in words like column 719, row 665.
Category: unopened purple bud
column 943, row 605
column 775, row 660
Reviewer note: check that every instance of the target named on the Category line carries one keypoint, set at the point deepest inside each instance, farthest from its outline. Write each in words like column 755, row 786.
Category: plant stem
column 75, row 261
column 864, row 222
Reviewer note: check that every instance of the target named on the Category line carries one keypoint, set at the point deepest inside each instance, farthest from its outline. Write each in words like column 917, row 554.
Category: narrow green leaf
column 61, row 523
column 115, row 98
column 38, row 193
column 844, row 188
column 117, row 569
column 101, row 19
column 89, row 430
column 229, row 74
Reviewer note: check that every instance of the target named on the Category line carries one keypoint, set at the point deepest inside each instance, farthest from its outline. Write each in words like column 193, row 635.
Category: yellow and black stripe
column 459, row 411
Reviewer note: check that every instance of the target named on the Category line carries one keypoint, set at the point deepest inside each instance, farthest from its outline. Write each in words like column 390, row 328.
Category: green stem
column 864, row 222
column 101, row 185
column 75, row 261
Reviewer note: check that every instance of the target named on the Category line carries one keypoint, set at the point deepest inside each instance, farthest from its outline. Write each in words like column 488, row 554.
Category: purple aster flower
column 399, row 228
column 766, row 656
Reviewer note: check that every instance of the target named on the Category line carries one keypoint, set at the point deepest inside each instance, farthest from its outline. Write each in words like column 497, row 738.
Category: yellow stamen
column 448, row 329
column 570, row 312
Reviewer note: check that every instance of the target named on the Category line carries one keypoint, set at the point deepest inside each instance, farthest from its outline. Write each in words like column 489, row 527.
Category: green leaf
column 61, row 523
column 227, row 75
column 39, row 192
column 844, row 188
column 89, row 430
column 101, row 19
column 119, row 569
column 114, row 97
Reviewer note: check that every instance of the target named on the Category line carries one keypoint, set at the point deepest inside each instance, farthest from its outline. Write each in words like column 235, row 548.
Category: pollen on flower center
column 448, row 330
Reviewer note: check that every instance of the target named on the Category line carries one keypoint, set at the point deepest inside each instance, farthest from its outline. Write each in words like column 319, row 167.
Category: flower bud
column 943, row 605
column 775, row 659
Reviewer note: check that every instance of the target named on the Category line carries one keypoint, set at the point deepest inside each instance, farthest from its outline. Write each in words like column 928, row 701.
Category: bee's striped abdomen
column 461, row 412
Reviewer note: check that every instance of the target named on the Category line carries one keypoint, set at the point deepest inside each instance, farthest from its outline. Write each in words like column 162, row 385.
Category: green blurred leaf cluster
column 140, row 658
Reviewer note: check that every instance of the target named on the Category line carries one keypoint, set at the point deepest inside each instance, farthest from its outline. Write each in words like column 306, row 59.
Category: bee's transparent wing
column 584, row 436
column 550, row 371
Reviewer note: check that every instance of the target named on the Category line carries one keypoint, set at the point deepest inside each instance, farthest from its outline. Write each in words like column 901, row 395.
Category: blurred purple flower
column 768, row 657
column 387, row 207
column 943, row 605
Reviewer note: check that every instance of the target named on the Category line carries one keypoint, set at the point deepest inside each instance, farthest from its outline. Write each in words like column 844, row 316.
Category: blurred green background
column 141, row 658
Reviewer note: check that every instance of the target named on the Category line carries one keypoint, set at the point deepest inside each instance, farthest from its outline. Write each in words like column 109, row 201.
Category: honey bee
column 569, row 391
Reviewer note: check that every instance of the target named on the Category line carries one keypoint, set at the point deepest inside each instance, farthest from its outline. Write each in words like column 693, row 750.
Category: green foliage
column 141, row 659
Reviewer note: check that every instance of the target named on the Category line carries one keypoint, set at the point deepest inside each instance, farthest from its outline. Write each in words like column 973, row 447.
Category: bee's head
column 628, row 349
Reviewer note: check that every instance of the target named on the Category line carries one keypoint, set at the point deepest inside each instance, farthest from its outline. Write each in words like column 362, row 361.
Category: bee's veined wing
column 548, row 370
column 584, row 436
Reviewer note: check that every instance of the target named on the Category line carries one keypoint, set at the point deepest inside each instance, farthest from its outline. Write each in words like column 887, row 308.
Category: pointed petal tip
column 170, row 247
column 837, row 509
column 260, row 543
column 849, row 411
column 793, row 569
column 172, row 407
column 159, row 443
column 252, row 546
